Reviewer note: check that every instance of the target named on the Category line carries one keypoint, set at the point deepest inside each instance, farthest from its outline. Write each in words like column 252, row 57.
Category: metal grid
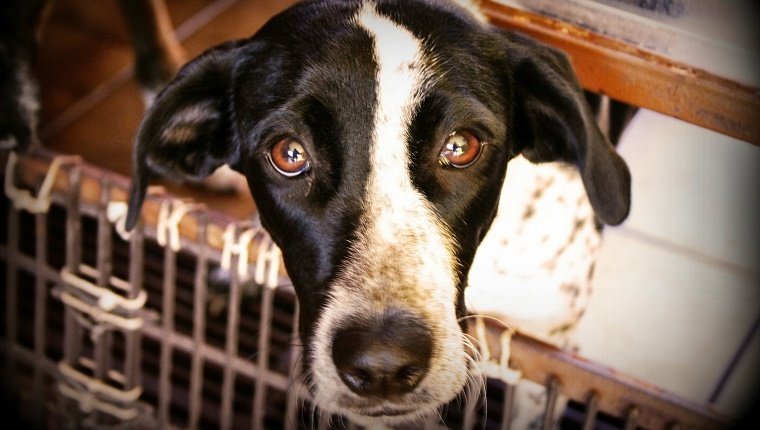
column 104, row 331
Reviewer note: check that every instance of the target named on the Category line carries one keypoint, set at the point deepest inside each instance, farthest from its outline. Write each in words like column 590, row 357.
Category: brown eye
column 460, row 150
column 288, row 157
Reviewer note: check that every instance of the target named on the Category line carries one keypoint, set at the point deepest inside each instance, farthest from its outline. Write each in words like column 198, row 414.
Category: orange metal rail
column 643, row 79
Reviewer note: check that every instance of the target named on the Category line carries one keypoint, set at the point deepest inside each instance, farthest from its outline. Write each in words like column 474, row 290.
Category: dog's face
column 375, row 138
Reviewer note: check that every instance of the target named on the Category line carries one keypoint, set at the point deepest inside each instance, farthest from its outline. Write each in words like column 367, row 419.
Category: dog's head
column 375, row 139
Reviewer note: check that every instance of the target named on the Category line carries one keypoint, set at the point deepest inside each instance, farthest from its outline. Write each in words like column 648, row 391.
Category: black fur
column 18, row 43
column 309, row 73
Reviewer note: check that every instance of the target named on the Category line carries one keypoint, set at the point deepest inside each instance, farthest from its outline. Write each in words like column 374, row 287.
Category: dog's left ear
column 187, row 132
column 552, row 121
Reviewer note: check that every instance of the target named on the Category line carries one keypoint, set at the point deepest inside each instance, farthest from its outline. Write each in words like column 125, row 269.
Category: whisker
column 487, row 317
column 439, row 414
column 474, row 392
column 473, row 345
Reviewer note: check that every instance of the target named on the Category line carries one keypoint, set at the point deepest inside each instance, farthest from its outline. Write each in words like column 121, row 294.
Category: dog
column 375, row 138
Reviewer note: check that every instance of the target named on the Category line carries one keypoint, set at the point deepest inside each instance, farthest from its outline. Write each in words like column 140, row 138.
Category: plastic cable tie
column 262, row 261
column 169, row 217
column 116, row 212
column 239, row 246
column 88, row 402
column 228, row 238
column 508, row 374
column 268, row 263
column 23, row 199
column 480, row 334
column 97, row 386
column 501, row 369
column 115, row 282
column 107, row 300
column 99, row 315
column 275, row 259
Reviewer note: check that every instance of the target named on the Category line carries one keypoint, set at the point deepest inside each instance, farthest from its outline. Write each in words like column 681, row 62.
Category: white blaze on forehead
column 396, row 211
column 403, row 256
column 399, row 79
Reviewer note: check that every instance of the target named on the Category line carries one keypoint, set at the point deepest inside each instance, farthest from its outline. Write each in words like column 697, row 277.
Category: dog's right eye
column 289, row 157
column 460, row 150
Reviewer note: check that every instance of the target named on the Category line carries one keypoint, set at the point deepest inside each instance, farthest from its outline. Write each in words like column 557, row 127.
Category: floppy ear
column 552, row 121
column 187, row 132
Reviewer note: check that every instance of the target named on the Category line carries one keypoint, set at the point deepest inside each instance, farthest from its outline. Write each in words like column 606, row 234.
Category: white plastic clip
column 99, row 315
column 88, row 402
column 116, row 212
column 87, row 392
column 239, row 246
column 267, row 263
column 107, row 299
column 23, row 199
column 500, row 370
column 169, row 217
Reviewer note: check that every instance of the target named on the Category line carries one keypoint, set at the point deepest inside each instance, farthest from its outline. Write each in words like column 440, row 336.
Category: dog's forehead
column 340, row 56
column 328, row 50
column 319, row 33
column 357, row 80
column 334, row 55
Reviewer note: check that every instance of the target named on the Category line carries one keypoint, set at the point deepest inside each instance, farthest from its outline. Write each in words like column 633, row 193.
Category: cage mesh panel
column 210, row 354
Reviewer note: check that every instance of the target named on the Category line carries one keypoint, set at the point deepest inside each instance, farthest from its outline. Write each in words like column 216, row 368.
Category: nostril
column 357, row 380
column 410, row 376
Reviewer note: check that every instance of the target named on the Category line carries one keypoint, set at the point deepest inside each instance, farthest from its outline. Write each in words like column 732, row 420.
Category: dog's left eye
column 289, row 157
column 460, row 149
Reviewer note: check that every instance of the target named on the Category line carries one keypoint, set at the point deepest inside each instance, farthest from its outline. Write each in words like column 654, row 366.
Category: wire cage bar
column 108, row 330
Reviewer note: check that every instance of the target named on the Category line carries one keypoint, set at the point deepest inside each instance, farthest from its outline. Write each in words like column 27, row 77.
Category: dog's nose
column 385, row 357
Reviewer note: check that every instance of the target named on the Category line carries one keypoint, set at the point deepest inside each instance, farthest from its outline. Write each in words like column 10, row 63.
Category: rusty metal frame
column 640, row 78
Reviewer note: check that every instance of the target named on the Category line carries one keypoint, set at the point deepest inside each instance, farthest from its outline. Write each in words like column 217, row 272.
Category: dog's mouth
column 388, row 411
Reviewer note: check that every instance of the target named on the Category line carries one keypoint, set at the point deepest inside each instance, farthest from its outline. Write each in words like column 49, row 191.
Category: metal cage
column 103, row 330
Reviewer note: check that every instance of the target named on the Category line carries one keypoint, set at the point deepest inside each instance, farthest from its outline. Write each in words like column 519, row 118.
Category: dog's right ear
column 554, row 122
column 187, row 132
